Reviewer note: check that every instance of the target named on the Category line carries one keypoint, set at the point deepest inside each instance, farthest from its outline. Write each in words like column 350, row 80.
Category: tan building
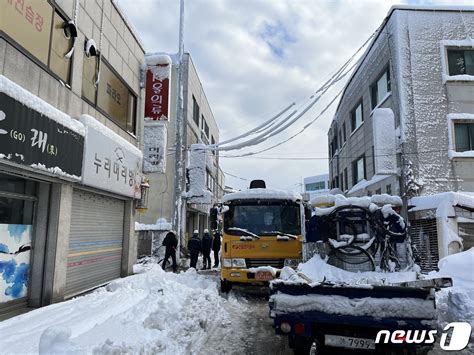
column 200, row 127
column 70, row 167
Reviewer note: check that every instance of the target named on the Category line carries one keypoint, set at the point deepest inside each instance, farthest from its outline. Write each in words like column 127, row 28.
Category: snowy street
column 149, row 312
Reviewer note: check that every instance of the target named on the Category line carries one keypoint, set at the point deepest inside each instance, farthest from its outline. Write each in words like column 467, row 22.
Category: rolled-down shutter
column 466, row 232
column 95, row 241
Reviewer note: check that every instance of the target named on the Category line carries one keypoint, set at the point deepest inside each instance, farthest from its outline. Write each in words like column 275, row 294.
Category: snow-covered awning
column 252, row 194
column 161, row 225
column 452, row 198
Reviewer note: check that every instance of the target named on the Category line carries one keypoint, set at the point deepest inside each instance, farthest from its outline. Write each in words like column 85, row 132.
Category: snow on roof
column 157, row 59
column 35, row 103
column 92, row 122
column 364, row 201
column 363, row 184
column 462, row 198
column 161, row 225
column 430, row 8
column 263, row 194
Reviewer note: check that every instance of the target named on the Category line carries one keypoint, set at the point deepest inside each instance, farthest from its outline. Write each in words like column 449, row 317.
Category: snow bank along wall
column 405, row 71
column 67, row 186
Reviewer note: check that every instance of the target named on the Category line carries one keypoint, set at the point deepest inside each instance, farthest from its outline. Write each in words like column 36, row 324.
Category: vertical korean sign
column 157, row 91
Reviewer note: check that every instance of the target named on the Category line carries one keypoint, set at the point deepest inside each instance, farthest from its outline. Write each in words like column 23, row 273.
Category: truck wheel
column 226, row 286
column 302, row 346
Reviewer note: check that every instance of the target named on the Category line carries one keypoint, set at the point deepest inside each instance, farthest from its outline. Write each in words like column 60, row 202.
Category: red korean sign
column 157, row 92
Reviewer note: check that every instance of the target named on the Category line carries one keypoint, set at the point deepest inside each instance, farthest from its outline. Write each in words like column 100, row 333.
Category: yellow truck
column 262, row 233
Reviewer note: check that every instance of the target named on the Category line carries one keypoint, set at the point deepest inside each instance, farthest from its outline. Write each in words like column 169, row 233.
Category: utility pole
column 179, row 162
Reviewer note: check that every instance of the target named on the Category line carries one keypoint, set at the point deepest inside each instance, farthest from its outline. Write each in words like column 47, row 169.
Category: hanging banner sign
column 154, row 151
column 157, row 92
column 30, row 138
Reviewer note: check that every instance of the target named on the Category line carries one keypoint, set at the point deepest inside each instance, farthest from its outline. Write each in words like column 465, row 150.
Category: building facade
column 70, row 163
column 403, row 125
column 316, row 185
column 200, row 128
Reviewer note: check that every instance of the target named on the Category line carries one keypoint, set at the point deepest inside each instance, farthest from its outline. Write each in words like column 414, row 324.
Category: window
column 341, row 181
column 389, row 189
column 205, row 127
column 195, row 111
column 464, row 136
column 357, row 117
column 340, row 138
column 346, row 179
column 111, row 96
column 37, row 28
column 336, row 183
column 358, row 170
column 315, row 186
column 344, row 131
column 380, row 88
column 461, row 62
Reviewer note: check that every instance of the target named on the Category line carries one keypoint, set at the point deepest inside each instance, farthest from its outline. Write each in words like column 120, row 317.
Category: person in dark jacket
column 216, row 247
column 194, row 247
column 170, row 243
column 206, row 249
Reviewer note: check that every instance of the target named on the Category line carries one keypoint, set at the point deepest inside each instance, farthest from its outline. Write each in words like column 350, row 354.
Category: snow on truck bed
column 454, row 304
column 152, row 312
column 262, row 194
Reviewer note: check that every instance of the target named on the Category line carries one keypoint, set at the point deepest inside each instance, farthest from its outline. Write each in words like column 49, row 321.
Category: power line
column 340, row 157
column 238, row 177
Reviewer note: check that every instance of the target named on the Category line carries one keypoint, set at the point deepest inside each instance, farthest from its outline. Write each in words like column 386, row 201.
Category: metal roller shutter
column 466, row 232
column 95, row 241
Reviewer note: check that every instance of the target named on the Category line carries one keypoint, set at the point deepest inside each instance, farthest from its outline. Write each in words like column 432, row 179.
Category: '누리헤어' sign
column 30, row 138
column 157, row 92
column 110, row 162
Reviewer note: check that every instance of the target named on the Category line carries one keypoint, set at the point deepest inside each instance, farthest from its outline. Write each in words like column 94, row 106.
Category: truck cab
column 262, row 233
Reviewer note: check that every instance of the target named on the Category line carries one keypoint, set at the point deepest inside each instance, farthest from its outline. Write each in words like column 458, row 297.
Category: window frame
column 374, row 88
column 196, row 111
column 55, row 8
column 355, row 170
column 470, row 134
column 458, row 49
column 354, row 117
column 102, row 111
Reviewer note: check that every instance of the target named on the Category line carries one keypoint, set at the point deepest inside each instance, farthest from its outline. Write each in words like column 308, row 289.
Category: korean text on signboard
column 29, row 138
column 157, row 92
column 110, row 165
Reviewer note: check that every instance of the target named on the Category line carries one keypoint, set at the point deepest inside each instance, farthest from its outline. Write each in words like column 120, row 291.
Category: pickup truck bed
column 308, row 313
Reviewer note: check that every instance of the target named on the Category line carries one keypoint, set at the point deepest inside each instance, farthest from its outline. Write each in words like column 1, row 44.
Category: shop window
column 381, row 88
column 464, row 136
column 461, row 62
column 111, row 96
column 357, row 117
column 37, row 28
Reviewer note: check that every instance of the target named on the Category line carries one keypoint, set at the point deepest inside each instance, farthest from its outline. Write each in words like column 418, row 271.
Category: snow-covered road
column 151, row 312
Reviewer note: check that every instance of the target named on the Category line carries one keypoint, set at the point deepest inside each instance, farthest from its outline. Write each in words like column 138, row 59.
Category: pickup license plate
column 349, row 342
column 263, row 276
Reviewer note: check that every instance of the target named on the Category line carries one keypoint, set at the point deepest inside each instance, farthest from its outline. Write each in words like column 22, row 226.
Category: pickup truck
column 335, row 318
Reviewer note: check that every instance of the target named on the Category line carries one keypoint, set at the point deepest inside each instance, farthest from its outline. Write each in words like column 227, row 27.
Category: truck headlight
column 293, row 263
column 227, row 263
column 238, row 263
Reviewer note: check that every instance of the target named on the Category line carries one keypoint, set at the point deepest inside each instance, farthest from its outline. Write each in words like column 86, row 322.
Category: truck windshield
column 263, row 219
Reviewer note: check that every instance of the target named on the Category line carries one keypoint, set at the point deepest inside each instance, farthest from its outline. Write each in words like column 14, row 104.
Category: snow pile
column 152, row 312
column 456, row 304
column 198, row 170
column 365, row 201
column 319, row 271
column 161, row 225
column 364, row 184
column 35, row 103
column 56, row 171
column 159, row 65
column 269, row 269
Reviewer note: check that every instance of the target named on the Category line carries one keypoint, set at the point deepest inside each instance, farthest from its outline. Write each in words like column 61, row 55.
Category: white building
column 316, row 185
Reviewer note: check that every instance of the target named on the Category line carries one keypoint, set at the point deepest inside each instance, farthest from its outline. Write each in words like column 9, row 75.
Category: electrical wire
column 272, row 131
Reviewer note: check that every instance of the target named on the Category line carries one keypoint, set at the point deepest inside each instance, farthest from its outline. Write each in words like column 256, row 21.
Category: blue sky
column 254, row 57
